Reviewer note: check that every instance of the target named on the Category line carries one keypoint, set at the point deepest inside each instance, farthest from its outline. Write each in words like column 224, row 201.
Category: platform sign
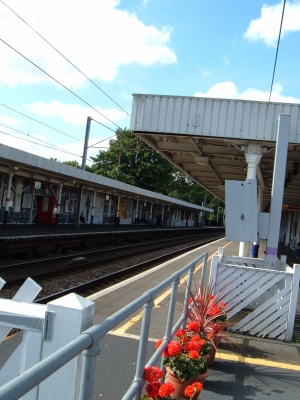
column 37, row 185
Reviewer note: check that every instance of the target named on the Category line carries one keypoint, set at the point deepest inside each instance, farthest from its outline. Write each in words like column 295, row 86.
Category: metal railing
column 89, row 342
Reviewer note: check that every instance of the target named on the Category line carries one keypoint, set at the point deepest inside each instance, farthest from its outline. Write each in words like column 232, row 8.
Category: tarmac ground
column 253, row 369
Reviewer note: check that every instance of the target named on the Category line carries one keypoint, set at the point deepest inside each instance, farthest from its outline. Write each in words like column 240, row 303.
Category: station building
column 34, row 189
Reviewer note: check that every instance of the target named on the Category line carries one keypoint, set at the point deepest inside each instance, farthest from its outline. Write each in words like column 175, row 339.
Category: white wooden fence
column 270, row 294
column 46, row 329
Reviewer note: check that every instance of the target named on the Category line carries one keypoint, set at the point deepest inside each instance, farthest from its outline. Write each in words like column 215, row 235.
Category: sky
column 62, row 61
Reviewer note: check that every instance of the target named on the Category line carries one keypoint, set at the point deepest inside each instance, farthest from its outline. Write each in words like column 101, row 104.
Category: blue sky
column 210, row 48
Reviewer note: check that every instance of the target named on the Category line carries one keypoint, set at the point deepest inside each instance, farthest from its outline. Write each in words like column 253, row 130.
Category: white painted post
column 293, row 303
column 150, row 217
column 288, row 229
column 73, row 315
column 136, row 211
column 283, row 133
column 93, row 206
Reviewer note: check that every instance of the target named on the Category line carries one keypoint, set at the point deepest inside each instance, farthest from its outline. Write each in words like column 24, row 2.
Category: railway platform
column 254, row 368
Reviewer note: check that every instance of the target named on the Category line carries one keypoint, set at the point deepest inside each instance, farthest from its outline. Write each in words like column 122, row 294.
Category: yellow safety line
column 256, row 361
column 233, row 357
column 132, row 321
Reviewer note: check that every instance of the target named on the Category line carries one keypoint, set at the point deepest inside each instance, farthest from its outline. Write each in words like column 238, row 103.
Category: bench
column 19, row 216
column 62, row 219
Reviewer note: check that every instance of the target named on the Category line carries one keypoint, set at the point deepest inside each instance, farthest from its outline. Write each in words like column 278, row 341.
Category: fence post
column 293, row 304
column 73, row 315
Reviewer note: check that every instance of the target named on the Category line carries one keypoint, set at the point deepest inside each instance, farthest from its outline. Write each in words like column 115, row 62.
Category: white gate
column 273, row 293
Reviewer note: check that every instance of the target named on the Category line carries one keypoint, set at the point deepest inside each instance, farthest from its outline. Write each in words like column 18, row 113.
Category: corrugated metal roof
column 10, row 156
column 225, row 118
column 207, row 139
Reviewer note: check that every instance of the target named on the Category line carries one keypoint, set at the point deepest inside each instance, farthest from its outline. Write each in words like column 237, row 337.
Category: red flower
column 194, row 354
column 194, row 346
column 191, row 389
column 214, row 311
column 211, row 297
column 152, row 389
column 166, row 389
column 196, row 338
column 191, row 300
column 152, row 374
column 223, row 305
column 179, row 332
column 193, row 326
column 174, row 348
column 158, row 343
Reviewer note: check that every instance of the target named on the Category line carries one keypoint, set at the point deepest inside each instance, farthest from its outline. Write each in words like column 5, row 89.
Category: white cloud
column 97, row 36
column 266, row 27
column 226, row 60
column 228, row 90
column 5, row 120
column 75, row 114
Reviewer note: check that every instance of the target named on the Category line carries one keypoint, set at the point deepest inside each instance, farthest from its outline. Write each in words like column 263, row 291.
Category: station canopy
column 207, row 139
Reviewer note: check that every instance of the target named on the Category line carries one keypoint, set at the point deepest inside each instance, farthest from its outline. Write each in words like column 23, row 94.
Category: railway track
column 87, row 272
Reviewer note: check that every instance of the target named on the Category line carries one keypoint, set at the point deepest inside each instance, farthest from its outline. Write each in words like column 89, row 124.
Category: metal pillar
column 136, row 211
column 283, row 133
column 162, row 215
column 58, row 204
column 117, row 211
column 7, row 201
column 93, row 207
column 83, row 165
column 288, row 229
column 150, row 216
column 1, row 191
column 253, row 153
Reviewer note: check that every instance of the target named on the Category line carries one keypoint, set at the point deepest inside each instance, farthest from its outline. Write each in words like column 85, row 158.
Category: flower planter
column 180, row 386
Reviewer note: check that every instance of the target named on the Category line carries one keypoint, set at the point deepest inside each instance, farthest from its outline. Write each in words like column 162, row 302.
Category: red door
column 45, row 205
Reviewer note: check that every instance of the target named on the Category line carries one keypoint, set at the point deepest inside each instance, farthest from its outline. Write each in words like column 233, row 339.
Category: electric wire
column 69, row 90
column 65, row 58
column 278, row 42
column 39, row 144
column 42, row 145
column 35, row 120
column 41, row 140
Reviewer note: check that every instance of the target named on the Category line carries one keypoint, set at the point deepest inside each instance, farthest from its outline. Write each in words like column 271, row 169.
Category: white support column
column 93, row 207
column 283, row 133
column 58, row 203
column 253, row 153
column 288, row 229
column 7, row 200
column 150, row 216
column 1, row 190
column 136, row 211
column 162, row 215
column 260, row 201
column 117, row 211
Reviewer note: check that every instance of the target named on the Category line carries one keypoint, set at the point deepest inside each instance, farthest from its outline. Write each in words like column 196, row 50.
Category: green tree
column 129, row 160
column 73, row 163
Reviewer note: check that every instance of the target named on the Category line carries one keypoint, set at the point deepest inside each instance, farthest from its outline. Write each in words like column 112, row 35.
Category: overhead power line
column 53, row 146
column 65, row 58
column 278, row 42
column 69, row 90
column 35, row 120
